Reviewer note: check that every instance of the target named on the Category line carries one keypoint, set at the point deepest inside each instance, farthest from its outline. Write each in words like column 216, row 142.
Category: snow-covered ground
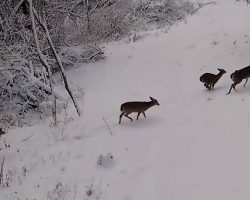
column 194, row 146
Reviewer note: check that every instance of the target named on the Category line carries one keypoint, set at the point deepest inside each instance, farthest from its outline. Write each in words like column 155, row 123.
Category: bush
column 24, row 81
column 120, row 18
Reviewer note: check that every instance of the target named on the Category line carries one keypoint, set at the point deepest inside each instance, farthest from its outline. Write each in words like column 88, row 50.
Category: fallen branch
column 25, row 139
column 201, row 6
column 107, row 125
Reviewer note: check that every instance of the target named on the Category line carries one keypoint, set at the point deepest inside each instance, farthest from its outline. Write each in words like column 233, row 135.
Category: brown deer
column 209, row 79
column 136, row 106
column 238, row 76
column 1, row 132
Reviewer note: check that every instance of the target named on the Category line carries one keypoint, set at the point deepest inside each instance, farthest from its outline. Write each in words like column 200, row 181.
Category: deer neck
column 219, row 75
column 150, row 104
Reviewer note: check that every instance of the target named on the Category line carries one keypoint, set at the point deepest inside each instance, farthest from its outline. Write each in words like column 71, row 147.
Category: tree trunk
column 42, row 58
column 58, row 60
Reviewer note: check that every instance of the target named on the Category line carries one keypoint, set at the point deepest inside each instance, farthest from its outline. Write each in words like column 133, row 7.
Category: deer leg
column 121, row 117
column 211, row 86
column 232, row 86
column 245, row 82
column 144, row 114
column 230, row 89
column 126, row 115
column 138, row 115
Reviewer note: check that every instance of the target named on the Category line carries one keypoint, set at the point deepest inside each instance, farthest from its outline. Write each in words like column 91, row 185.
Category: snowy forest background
column 67, row 66
column 24, row 78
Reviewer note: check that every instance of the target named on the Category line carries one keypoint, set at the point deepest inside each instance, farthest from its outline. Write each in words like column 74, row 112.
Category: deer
column 137, row 107
column 210, row 80
column 238, row 76
column 1, row 132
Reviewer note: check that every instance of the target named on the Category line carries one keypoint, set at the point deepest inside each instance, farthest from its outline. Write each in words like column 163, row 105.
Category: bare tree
column 26, row 57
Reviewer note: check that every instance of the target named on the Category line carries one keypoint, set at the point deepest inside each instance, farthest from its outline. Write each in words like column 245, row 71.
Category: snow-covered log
column 83, row 54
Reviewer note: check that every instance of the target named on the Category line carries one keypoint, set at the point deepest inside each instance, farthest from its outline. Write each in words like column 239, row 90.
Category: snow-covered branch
column 42, row 58
column 58, row 59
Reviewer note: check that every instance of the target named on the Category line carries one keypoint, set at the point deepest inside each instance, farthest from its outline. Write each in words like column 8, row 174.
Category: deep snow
column 194, row 146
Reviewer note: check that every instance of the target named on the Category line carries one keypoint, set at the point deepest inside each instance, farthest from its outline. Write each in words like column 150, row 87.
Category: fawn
column 238, row 76
column 136, row 106
column 209, row 79
column 1, row 132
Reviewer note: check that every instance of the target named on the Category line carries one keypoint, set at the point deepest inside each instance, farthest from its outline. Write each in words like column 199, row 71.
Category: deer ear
column 153, row 99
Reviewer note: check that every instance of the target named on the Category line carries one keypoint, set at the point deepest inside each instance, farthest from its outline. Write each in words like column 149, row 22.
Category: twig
column 205, row 4
column 25, row 139
column 1, row 171
column 107, row 126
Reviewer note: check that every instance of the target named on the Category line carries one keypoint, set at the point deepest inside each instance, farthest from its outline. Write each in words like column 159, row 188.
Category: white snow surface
column 194, row 146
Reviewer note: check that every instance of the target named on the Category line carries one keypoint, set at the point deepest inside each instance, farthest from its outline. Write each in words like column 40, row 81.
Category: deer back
column 136, row 106
column 242, row 73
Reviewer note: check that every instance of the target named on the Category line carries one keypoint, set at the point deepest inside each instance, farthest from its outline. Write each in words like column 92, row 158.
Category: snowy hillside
column 194, row 146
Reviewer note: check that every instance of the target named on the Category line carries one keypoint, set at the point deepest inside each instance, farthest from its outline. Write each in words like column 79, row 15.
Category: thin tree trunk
column 59, row 62
column 42, row 58
column 17, row 6
column 88, row 15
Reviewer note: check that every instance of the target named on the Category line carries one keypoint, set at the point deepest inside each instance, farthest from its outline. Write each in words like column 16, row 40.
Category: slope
column 193, row 146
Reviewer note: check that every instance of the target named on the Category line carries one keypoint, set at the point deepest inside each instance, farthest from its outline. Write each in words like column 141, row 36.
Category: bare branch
column 17, row 7
column 42, row 58
column 59, row 62
column 107, row 125
column 25, row 139
column 201, row 6
column 1, row 171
